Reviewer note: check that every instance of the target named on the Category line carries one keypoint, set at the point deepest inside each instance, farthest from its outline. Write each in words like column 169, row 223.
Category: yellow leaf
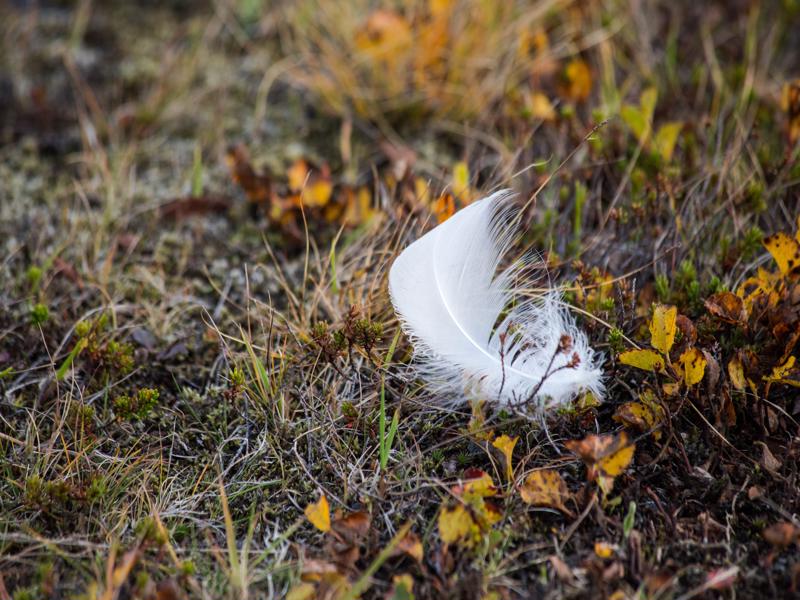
column 302, row 591
column 441, row 8
column 541, row 107
column 785, row 250
column 603, row 549
column 666, row 138
column 481, row 486
column 662, row 328
column 692, row 366
column 544, row 488
column 358, row 208
column 422, row 191
column 318, row 192
column 454, row 524
column 642, row 359
column 490, row 514
column 461, row 180
column 477, row 422
column 736, row 373
column 643, row 415
column 671, row 388
column 617, row 461
column 781, row 371
column 506, row 445
column 790, row 103
column 386, row 36
column 605, row 456
column 319, row 514
column 648, row 101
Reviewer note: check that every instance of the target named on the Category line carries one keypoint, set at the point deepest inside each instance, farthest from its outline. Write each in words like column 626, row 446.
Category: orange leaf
column 411, row 545
column 577, row 81
column 444, row 207
column 297, row 175
column 603, row 549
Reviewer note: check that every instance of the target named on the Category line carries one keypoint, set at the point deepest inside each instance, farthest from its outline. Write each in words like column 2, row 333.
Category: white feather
column 455, row 305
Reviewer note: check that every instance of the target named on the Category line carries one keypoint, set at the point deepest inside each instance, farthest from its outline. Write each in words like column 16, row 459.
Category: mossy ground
column 150, row 356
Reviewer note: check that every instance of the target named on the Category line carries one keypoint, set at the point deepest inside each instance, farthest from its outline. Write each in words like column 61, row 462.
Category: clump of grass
column 136, row 407
column 400, row 60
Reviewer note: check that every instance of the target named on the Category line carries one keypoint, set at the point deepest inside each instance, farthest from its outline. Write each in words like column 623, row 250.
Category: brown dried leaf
column 782, row 535
column 352, row 527
column 727, row 307
column 411, row 545
column 768, row 460
column 257, row 187
column 605, row 456
column 181, row 208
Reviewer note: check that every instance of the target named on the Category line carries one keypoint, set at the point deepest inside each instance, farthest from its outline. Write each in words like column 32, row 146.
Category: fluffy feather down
column 468, row 328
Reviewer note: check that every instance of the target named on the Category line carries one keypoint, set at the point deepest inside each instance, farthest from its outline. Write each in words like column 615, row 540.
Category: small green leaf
column 629, row 521
column 62, row 370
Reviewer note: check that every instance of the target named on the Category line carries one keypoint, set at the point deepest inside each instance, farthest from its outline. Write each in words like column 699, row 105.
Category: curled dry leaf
column 562, row 570
column 256, row 186
column 644, row 415
column 768, row 460
column 727, row 307
column 352, row 527
column 410, row 545
column 687, row 329
column 736, row 374
column 605, row 456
